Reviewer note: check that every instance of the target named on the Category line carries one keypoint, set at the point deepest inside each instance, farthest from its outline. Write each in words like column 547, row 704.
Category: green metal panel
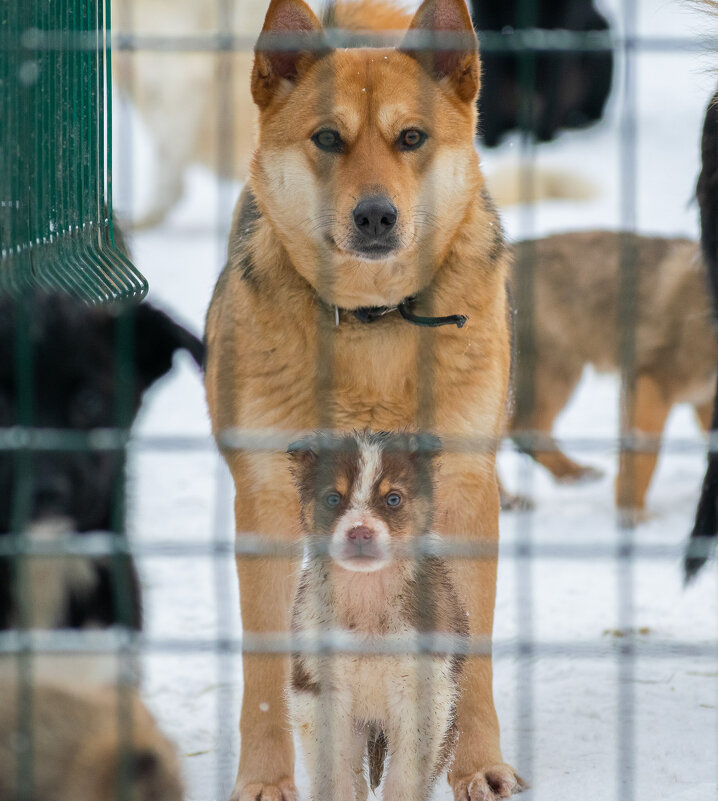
column 55, row 198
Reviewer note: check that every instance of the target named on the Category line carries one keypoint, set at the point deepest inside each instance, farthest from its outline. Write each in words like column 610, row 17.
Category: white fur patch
column 49, row 579
column 369, row 472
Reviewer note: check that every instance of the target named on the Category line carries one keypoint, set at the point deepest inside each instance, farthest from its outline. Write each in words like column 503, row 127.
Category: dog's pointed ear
column 442, row 39
column 291, row 40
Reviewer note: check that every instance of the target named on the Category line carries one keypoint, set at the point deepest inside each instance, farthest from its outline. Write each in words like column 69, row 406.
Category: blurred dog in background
column 575, row 303
column 196, row 103
column 568, row 89
column 87, row 745
column 76, row 382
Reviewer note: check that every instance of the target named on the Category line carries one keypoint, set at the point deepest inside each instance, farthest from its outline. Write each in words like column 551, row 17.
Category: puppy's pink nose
column 361, row 533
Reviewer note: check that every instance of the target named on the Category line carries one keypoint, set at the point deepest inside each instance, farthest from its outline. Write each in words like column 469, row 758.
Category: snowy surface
column 585, row 724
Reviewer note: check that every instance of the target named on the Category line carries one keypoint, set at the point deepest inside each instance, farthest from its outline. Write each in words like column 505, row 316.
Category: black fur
column 570, row 88
column 703, row 536
column 77, row 380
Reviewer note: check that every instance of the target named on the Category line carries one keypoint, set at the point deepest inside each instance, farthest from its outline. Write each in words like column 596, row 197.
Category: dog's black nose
column 375, row 217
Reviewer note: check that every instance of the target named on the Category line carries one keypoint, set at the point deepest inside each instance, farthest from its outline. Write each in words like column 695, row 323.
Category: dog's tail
column 522, row 183
column 376, row 755
column 705, row 528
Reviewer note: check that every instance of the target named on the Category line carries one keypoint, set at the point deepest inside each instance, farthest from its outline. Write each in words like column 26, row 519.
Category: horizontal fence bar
column 537, row 40
column 252, row 545
column 629, row 643
column 20, row 438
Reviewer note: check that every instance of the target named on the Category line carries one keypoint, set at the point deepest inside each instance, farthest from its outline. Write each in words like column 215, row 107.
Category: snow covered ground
column 578, row 719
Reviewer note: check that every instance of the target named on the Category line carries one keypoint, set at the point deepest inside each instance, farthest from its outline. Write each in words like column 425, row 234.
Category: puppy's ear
column 303, row 453
column 423, row 446
column 291, row 40
column 452, row 52
column 156, row 339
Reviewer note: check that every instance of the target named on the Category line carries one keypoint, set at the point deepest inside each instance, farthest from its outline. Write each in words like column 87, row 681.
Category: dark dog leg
column 703, row 536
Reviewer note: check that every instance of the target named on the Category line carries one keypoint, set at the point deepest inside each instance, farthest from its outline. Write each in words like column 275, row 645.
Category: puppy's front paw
column 496, row 781
column 283, row 790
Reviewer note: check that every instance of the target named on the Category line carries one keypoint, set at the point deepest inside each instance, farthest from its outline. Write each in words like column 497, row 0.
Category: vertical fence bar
column 626, row 320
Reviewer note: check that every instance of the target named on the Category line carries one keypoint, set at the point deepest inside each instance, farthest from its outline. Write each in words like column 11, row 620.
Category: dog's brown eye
column 329, row 141
column 411, row 139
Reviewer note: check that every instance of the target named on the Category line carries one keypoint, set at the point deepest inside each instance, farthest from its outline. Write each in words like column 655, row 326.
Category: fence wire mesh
column 181, row 525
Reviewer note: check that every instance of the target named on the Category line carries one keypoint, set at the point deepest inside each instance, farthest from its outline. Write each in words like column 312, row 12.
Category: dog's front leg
column 469, row 501
column 266, row 590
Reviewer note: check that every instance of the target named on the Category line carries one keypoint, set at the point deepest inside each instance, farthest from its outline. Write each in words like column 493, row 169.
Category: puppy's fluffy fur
column 574, row 307
column 368, row 498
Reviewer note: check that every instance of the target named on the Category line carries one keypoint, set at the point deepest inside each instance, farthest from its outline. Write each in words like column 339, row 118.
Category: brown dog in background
column 86, row 744
column 575, row 306
column 365, row 210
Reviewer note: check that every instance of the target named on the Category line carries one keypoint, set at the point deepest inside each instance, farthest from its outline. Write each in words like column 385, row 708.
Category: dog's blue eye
column 332, row 499
column 393, row 499
column 411, row 139
column 329, row 141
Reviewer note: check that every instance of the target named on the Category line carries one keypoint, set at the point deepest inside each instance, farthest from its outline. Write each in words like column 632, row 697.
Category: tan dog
column 365, row 207
column 86, row 745
column 575, row 306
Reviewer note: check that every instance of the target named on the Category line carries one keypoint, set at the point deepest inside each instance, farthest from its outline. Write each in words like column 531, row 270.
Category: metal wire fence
column 78, row 254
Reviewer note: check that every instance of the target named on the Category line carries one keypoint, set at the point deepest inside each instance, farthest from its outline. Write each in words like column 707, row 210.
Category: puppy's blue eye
column 393, row 499
column 329, row 141
column 332, row 499
column 411, row 139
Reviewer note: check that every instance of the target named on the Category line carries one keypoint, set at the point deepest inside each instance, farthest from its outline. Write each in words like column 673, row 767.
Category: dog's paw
column 632, row 516
column 489, row 784
column 584, row 474
column 283, row 790
column 515, row 503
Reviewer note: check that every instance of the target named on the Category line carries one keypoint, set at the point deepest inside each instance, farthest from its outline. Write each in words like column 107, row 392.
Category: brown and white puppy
column 365, row 191
column 365, row 500
column 575, row 306
column 82, row 745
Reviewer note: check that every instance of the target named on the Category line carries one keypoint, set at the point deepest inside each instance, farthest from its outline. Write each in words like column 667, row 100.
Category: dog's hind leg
column 647, row 418
column 551, row 393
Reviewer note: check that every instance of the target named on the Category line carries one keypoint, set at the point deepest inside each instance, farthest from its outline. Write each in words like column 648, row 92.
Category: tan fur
column 78, row 740
column 276, row 359
column 574, row 308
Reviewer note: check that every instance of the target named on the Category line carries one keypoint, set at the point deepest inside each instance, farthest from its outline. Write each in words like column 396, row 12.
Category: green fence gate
column 56, row 228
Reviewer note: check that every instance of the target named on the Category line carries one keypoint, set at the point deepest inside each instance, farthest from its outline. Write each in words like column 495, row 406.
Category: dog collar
column 369, row 314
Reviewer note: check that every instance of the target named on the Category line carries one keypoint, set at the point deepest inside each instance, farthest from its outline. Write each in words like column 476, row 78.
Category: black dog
column 62, row 369
column 570, row 88
column 703, row 536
